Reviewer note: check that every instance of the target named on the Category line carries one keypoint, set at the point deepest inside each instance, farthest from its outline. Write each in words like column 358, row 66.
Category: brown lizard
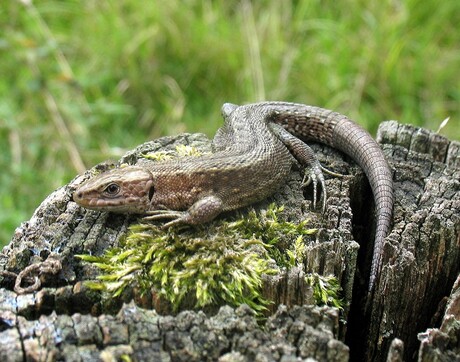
column 252, row 156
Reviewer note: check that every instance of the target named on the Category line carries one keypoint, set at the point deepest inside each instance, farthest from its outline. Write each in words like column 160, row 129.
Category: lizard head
column 124, row 190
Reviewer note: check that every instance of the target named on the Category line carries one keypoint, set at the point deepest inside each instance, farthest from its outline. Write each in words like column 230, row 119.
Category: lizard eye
column 112, row 189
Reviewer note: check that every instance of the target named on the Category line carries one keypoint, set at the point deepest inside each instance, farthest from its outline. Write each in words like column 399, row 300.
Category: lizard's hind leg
column 313, row 171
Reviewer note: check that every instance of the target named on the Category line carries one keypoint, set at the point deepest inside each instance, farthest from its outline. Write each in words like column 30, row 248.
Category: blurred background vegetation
column 84, row 81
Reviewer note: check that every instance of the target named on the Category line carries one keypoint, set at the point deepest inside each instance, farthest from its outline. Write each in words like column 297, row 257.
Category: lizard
column 253, row 153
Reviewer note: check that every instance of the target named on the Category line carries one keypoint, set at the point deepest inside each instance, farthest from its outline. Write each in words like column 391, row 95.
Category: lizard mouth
column 117, row 205
column 114, row 205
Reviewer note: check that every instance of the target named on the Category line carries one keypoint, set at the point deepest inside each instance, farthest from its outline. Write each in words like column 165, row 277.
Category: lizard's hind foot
column 314, row 175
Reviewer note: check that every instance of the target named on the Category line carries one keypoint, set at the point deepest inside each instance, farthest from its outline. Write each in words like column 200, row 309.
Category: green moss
column 181, row 151
column 296, row 254
column 220, row 263
column 184, row 150
column 125, row 358
column 326, row 290
column 279, row 235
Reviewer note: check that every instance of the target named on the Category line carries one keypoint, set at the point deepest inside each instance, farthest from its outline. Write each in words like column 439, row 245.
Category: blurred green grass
column 84, row 81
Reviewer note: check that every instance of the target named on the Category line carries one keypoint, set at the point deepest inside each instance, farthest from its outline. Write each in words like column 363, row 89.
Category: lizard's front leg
column 203, row 210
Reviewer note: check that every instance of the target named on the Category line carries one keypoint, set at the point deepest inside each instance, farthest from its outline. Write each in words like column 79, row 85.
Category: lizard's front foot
column 178, row 217
column 203, row 210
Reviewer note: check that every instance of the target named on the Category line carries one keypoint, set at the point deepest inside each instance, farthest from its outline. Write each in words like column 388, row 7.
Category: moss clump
column 221, row 263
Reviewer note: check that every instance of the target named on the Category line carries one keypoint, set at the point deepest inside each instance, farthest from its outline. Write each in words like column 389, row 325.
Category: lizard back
column 248, row 164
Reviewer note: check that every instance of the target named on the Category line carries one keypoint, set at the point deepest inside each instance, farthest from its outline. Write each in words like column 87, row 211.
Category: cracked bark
column 64, row 319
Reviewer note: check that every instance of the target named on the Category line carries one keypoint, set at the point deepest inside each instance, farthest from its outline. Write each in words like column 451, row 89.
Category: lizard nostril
column 151, row 192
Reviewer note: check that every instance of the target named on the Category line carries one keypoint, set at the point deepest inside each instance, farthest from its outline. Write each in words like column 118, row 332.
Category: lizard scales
column 252, row 157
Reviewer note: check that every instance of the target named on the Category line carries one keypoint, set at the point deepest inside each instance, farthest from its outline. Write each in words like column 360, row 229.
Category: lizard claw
column 314, row 175
column 329, row 172
column 176, row 216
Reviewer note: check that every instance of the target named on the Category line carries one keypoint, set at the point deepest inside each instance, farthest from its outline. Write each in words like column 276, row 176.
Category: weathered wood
column 443, row 343
column 422, row 261
column 229, row 335
column 422, row 252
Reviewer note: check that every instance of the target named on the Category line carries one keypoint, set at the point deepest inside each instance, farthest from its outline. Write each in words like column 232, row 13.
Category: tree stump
column 422, row 252
column 48, row 313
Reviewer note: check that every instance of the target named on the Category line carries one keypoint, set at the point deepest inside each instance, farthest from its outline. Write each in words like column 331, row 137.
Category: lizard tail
column 358, row 143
